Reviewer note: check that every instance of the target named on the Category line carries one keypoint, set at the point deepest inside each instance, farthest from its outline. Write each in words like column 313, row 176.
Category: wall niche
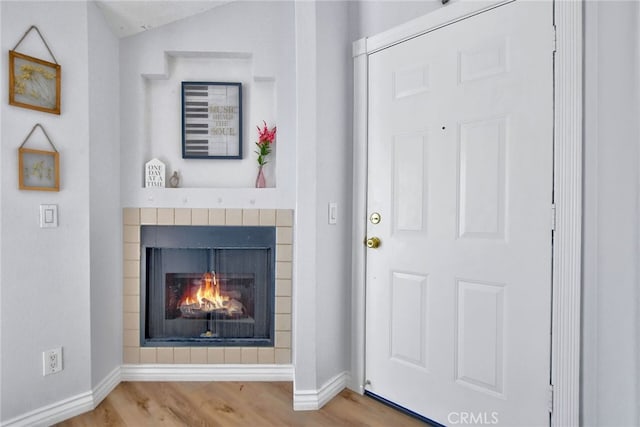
column 163, row 121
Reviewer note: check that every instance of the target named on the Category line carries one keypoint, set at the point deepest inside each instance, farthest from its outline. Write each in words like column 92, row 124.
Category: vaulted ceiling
column 128, row 17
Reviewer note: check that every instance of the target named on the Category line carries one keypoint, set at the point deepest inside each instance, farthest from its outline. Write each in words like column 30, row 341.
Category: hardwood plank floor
column 209, row 404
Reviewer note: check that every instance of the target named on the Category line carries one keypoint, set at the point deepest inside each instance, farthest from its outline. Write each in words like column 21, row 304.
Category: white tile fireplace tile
column 249, row 355
column 182, row 355
column 166, row 216
column 131, row 216
column 131, row 268
column 284, row 218
column 250, row 217
column 199, row 216
column 131, row 304
column 234, row 217
column 131, row 251
column 198, row 355
column 283, row 322
column 283, row 339
column 215, row 355
column 148, row 355
column 283, row 270
column 283, row 305
column 148, row 216
column 217, row 217
column 131, row 286
column 131, row 355
column 182, row 216
column 284, row 253
column 232, row 355
column 283, row 356
column 131, row 234
column 165, row 354
column 268, row 217
column 284, row 235
column 266, row 355
column 283, row 287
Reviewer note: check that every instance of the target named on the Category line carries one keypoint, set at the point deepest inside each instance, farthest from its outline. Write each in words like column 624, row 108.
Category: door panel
column 479, row 336
column 460, row 170
column 481, row 183
column 408, row 162
column 408, row 315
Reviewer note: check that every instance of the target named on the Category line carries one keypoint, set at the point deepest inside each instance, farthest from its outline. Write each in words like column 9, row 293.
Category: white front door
column 458, row 294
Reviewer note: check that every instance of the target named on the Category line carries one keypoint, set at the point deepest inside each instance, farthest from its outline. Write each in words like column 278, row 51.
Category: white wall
column 324, row 82
column 610, row 372
column 104, row 198
column 334, row 184
column 305, row 263
column 45, row 272
column 263, row 32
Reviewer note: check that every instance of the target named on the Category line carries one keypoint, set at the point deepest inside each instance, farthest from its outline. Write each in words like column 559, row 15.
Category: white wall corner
column 106, row 386
column 310, row 400
column 242, row 372
column 305, row 251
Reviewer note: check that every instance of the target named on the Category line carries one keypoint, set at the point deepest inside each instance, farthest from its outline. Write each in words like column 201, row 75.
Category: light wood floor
column 253, row 404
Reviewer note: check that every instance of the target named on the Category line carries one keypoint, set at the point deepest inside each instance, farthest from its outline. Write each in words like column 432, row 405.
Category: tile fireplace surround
column 280, row 353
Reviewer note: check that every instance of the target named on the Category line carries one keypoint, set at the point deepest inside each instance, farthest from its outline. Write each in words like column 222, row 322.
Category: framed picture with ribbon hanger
column 38, row 169
column 34, row 83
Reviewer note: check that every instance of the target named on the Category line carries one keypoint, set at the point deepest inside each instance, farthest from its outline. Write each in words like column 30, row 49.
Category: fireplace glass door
column 220, row 293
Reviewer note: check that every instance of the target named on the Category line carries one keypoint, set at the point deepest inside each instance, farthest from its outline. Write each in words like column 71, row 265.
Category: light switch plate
column 48, row 216
column 333, row 213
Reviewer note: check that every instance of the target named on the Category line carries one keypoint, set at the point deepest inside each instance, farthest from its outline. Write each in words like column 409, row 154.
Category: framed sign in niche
column 211, row 120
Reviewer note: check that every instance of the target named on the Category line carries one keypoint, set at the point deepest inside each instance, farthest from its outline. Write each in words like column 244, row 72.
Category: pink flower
column 266, row 135
column 265, row 139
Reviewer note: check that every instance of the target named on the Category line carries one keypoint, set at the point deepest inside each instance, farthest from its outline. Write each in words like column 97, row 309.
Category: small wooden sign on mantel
column 154, row 174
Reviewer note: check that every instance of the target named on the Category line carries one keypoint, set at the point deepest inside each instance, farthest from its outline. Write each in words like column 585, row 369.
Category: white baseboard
column 67, row 408
column 309, row 400
column 185, row 372
column 54, row 413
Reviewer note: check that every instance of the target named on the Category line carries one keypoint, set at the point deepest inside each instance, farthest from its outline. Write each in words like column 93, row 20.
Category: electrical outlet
column 52, row 361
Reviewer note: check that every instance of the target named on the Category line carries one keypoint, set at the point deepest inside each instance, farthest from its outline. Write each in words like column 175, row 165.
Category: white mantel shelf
column 246, row 198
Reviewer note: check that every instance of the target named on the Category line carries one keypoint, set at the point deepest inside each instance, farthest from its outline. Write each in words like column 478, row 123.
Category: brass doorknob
column 373, row 242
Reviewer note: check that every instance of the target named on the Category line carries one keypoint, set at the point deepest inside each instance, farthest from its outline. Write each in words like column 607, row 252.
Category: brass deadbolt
column 375, row 218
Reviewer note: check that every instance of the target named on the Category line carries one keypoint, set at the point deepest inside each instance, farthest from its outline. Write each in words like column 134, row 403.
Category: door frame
column 567, row 169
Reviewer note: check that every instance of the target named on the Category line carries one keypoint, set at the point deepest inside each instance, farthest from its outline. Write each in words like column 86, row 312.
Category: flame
column 207, row 296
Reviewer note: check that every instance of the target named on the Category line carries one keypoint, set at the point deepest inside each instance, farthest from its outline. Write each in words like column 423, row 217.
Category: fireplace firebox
column 207, row 285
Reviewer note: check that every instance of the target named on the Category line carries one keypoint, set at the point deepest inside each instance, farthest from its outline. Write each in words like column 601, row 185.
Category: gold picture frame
column 38, row 170
column 34, row 83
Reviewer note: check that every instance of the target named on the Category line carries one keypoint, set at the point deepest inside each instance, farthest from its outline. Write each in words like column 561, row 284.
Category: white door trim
column 567, row 257
column 565, row 352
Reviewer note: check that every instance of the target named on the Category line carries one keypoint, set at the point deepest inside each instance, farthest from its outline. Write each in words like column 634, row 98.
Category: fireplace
column 207, row 286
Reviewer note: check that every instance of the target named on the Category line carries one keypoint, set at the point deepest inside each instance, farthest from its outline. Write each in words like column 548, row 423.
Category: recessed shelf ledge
column 193, row 54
